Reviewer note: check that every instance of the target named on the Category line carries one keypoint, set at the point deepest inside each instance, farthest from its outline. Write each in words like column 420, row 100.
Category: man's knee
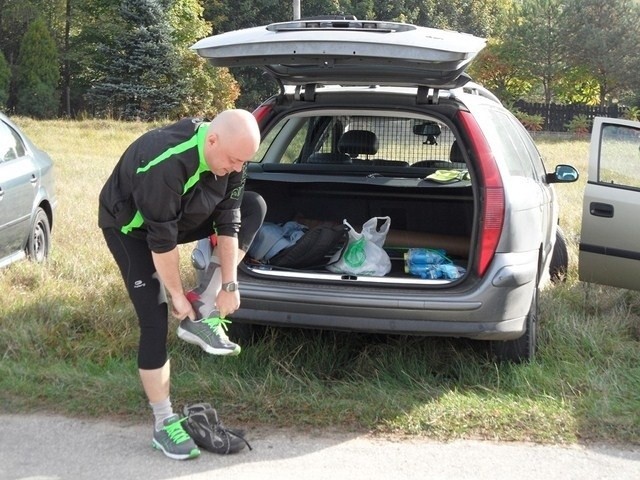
column 253, row 205
column 253, row 211
column 152, row 349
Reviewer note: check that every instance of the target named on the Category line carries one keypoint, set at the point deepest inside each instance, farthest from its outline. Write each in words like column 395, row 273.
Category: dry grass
column 68, row 340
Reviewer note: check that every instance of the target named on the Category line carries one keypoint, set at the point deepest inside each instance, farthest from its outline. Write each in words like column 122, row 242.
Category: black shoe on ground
column 208, row 432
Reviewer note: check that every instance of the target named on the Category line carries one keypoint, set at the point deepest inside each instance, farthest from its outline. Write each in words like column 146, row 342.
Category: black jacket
column 162, row 190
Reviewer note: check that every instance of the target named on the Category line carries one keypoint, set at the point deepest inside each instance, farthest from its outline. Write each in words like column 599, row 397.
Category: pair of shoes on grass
column 200, row 427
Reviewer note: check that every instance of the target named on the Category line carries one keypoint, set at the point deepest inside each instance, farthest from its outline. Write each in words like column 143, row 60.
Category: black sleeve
column 157, row 194
column 227, row 215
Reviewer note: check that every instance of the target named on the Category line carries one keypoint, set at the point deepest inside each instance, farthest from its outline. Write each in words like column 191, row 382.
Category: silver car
column 379, row 120
column 27, row 197
column 610, row 236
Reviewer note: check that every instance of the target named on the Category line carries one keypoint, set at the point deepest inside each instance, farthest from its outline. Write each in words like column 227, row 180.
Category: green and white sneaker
column 174, row 441
column 209, row 334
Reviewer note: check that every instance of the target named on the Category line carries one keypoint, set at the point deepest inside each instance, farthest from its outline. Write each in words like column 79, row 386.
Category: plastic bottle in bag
column 425, row 256
column 442, row 271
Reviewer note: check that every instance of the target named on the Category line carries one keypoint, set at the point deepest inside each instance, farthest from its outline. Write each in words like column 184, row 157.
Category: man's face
column 224, row 157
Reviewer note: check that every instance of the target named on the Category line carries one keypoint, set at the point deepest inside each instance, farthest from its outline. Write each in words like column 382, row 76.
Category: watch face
column 230, row 287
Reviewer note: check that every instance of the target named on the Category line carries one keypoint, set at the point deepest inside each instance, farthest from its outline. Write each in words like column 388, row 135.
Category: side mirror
column 563, row 174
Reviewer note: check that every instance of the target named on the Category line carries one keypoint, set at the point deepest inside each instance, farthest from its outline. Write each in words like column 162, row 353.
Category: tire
column 559, row 265
column 523, row 349
column 39, row 243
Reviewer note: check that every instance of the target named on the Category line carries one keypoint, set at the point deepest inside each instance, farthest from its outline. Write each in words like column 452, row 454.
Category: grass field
column 68, row 340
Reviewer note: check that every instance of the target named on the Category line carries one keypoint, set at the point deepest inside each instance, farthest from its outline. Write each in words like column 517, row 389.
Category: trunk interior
column 423, row 214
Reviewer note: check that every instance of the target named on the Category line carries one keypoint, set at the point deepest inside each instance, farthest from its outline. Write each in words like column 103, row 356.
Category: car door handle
column 34, row 179
column 598, row 209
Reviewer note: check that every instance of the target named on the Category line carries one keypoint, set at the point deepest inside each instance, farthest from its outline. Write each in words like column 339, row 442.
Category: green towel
column 449, row 176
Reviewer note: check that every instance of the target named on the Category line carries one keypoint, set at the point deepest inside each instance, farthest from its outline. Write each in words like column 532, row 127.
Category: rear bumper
column 503, row 330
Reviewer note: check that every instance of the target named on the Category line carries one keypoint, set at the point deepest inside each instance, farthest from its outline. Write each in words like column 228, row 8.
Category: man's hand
column 181, row 308
column 167, row 266
column 227, row 302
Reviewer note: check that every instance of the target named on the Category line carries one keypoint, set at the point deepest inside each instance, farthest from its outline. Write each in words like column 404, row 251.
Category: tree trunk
column 66, row 75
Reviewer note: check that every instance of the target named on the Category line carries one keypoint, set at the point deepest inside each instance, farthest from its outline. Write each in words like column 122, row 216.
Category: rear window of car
column 506, row 142
column 11, row 146
column 349, row 138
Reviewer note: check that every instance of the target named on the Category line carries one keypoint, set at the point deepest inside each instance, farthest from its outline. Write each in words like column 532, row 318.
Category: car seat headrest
column 358, row 142
column 455, row 155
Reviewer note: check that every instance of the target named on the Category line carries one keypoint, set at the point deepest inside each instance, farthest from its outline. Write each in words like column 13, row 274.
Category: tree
column 66, row 61
column 37, row 73
column 227, row 15
column 5, row 79
column 577, row 86
column 208, row 90
column 535, row 42
column 498, row 71
column 93, row 25
column 481, row 18
column 15, row 17
column 603, row 37
column 139, row 75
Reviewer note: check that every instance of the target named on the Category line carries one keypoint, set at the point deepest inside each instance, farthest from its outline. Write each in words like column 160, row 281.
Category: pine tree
column 37, row 73
column 139, row 76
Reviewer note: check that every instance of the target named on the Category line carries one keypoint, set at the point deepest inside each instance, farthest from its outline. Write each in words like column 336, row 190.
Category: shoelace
column 226, row 432
column 217, row 427
column 215, row 322
column 176, row 433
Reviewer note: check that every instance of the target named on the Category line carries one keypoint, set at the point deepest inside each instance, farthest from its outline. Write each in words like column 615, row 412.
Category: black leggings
column 143, row 284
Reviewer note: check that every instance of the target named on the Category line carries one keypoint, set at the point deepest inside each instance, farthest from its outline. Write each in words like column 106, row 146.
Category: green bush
column 580, row 125
column 533, row 123
column 632, row 113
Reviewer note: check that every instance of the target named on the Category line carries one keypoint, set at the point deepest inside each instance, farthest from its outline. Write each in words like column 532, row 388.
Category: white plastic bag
column 364, row 254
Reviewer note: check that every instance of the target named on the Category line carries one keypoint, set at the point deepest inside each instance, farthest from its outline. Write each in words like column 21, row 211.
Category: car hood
column 350, row 52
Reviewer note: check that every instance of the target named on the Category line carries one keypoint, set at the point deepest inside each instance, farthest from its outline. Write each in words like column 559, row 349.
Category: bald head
column 239, row 127
column 232, row 139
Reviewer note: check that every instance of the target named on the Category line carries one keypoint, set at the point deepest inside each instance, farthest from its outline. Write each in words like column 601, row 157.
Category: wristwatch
column 230, row 286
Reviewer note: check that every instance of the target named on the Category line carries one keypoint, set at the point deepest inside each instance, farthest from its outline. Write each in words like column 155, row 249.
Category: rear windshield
column 353, row 139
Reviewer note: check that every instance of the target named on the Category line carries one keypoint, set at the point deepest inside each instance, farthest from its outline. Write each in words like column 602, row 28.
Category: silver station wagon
column 378, row 120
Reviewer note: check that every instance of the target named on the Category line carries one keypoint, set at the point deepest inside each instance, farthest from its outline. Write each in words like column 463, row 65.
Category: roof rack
column 477, row 89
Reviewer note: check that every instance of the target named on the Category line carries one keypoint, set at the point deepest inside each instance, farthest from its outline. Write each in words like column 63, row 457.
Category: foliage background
column 130, row 59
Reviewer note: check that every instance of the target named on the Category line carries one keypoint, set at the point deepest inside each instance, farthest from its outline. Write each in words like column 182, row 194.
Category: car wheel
column 39, row 242
column 559, row 259
column 521, row 349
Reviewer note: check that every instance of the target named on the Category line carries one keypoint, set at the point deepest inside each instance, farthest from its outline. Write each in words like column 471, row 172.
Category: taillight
column 492, row 192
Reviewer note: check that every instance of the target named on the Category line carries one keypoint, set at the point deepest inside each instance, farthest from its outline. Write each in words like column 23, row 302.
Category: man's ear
column 212, row 138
